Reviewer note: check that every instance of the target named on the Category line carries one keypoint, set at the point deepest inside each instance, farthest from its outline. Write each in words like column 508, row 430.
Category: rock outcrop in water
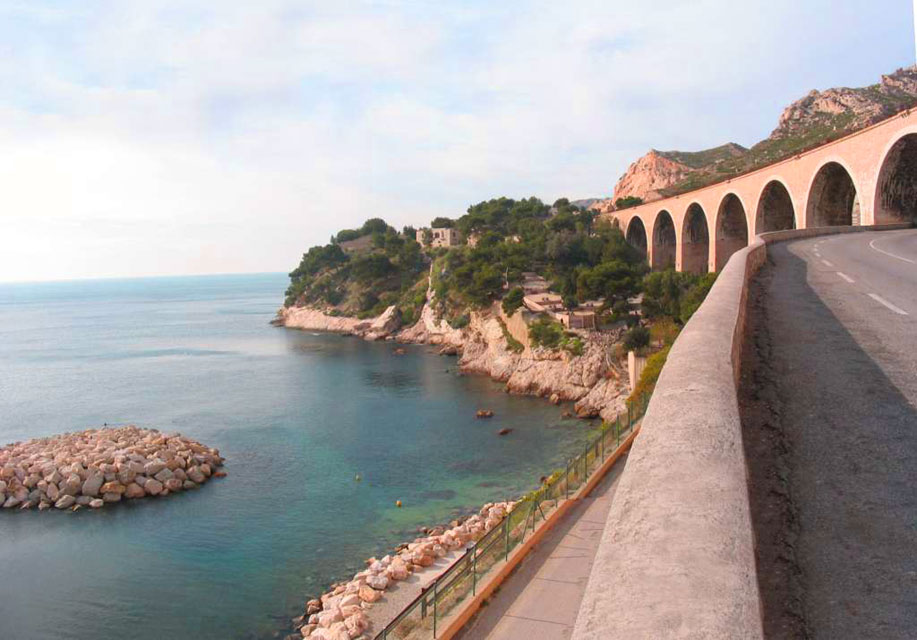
column 345, row 611
column 98, row 466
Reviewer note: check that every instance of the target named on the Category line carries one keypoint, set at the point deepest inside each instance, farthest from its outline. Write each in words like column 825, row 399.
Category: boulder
column 163, row 475
column 379, row 582
column 72, row 485
column 153, row 467
column 153, row 487
column 65, row 501
column 112, row 487
column 92, row 485
column 313, row 606
column 368, row 594
column 111, row 497
column 195, row 474
column 134, row 490
column 328, row 618
column 53, row 492
column 173, row 484
column 350, row 599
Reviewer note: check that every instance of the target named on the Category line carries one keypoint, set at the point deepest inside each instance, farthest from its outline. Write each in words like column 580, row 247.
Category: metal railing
column 420, row 619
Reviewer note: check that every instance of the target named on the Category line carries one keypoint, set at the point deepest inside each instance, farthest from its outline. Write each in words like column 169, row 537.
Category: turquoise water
column 296, row 415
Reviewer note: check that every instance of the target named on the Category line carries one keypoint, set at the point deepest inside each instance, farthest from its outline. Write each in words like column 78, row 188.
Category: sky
column 154, row 137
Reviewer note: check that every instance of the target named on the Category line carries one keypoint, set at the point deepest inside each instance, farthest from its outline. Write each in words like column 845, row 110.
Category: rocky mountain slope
column 813, row 120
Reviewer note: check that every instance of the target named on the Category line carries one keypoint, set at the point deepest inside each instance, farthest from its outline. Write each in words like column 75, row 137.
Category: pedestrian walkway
column 540, row 600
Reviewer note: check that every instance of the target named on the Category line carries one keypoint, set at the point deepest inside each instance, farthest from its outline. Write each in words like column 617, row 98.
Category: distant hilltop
column 817, row 118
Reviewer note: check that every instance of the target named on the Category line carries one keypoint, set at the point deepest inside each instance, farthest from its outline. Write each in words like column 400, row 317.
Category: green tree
column 513, row 300
column 628, row 202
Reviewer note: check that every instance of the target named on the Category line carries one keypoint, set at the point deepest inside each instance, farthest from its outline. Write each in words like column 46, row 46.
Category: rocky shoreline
column 594, row 381
column 345, row 612
column 96, row 467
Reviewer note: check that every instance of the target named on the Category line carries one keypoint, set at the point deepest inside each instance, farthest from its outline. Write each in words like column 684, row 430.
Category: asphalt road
column 838, row 349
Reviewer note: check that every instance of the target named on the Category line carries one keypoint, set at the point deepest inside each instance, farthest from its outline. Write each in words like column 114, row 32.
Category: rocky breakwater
column 346, row 611
column 98, row 466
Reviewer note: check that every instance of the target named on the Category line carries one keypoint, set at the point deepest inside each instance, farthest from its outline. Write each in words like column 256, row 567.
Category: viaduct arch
column 868, row 177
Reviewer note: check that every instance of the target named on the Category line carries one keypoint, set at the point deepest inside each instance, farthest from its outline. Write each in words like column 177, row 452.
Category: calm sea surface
column 296, row 415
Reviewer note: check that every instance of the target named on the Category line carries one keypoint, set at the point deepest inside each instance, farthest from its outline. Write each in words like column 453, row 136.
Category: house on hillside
column 577, row 319
column 544, row 302
column 440, row 237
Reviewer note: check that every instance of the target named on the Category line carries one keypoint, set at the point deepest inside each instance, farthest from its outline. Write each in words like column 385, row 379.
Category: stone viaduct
column 866, row 178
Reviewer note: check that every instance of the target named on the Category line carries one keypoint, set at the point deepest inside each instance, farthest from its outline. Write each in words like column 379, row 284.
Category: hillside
column 817, row 118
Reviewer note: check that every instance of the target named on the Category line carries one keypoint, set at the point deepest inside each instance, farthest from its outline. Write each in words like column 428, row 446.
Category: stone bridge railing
column 677, row 556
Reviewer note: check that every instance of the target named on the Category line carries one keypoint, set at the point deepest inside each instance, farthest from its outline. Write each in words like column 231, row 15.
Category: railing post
column 434, row 607
column 585, row 464
column 604, row 431
column 474, row 570
column 506, row 538
column 567, row 482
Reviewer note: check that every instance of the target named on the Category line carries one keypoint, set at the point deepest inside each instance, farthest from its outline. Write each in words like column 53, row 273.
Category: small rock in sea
column 504, row 431
column 398, row 352
column 484, row 413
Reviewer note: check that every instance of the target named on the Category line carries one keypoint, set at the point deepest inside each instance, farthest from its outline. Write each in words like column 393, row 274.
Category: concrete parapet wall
column 677, row 556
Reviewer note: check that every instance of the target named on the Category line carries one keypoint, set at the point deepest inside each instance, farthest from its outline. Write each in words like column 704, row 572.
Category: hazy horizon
column 174, row 138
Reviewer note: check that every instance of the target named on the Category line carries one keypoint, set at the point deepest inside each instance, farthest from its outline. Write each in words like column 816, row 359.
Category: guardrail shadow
column 831, row 446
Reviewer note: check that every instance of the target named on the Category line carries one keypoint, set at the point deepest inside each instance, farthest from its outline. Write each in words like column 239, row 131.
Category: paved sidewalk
column 540, row 600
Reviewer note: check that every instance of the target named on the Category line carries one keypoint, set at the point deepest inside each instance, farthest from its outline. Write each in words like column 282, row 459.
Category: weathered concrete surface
column 833, row 449
column 542, row 598
column 677, row 556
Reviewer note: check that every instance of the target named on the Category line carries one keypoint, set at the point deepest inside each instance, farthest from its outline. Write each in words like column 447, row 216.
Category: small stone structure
column 446, row 237
column 99, row 466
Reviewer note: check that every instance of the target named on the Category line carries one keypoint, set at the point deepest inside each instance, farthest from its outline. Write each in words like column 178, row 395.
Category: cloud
column 187, row 136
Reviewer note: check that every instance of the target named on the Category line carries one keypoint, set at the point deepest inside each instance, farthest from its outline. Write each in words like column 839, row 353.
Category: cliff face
column 817, row 118
column 648, row 175
column 863, row 106
column 594, row 381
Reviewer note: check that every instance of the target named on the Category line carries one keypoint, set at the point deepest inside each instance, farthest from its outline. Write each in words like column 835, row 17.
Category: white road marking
column 888, row 304
column 846, row 277
column 817, row 254
column 872, row 245
column 827, row 264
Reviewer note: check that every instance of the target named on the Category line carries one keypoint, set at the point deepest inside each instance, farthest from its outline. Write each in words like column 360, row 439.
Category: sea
column 322, row 434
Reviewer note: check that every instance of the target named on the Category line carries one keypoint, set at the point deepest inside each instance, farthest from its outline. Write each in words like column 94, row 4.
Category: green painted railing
column 419, row 619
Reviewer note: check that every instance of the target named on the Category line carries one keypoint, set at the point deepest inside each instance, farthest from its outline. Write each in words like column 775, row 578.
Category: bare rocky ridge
column 99, row 466
column 817, row 118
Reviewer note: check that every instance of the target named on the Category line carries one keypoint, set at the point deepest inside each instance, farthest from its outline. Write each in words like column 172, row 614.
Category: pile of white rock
column 341, row 614
column 98, row 466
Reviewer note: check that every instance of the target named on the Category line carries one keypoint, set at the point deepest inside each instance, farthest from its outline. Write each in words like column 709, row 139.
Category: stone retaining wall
column 677, row 556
